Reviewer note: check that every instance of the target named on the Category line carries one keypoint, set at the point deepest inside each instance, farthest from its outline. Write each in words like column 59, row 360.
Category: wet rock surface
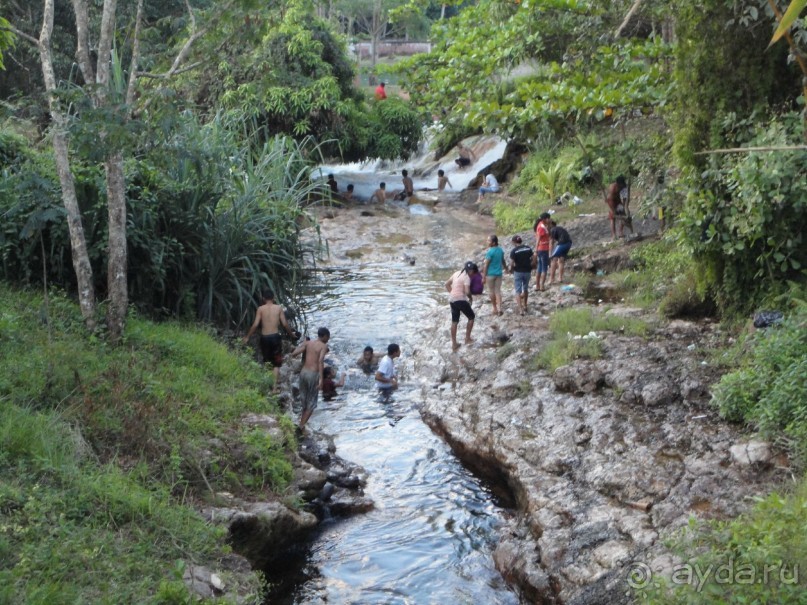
column 603, row 458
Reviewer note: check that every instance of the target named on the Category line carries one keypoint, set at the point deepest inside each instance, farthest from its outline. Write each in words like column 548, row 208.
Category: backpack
column 477, row 287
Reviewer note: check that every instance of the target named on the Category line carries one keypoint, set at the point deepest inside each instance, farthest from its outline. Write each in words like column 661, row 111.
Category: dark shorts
column 272, row 349
column 464, row 307
column 561, row 250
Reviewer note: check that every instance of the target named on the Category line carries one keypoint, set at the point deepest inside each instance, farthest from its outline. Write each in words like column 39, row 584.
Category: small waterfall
column 366, row 176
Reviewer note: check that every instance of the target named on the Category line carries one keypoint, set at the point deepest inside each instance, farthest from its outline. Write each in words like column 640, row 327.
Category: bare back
column 315, row 351
column 271, row 318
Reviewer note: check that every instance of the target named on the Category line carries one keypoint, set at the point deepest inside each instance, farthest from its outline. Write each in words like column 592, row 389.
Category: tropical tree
column 372, row 17
column 530, row 63
column 112, row 94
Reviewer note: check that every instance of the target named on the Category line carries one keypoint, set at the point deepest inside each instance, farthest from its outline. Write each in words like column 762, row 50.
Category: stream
column 430, row 537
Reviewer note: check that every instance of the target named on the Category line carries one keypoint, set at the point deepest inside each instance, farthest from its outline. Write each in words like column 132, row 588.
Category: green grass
column 103, row 449
column 566, row 324
column 762, row 556
column 768, row 389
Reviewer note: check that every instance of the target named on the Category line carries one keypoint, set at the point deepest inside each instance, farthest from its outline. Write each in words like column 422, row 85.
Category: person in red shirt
column 542, row 250
column 380, row 92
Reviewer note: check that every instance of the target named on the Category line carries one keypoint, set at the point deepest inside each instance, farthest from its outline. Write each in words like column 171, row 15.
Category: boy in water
column 270, row 317
column 408, row 185
column 329, row 383
column 442, row 180
column 380, row 194
column 385, row 378
column 333, row 184
column 368, row 360
column 313, row 372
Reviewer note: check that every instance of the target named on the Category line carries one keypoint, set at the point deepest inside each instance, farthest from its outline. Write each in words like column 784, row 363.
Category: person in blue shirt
column 492, row 272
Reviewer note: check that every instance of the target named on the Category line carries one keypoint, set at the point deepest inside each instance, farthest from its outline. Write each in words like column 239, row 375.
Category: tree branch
column 627, row 18
column 82, row 41
column 20, row 33
column 166, row 75
column 130, row 87
column 750, row 149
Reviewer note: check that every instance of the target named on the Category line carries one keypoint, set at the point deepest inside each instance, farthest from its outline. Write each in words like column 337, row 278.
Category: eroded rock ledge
column 603, row 458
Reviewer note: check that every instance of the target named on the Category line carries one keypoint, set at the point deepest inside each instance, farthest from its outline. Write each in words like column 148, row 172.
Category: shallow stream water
column 430, row 537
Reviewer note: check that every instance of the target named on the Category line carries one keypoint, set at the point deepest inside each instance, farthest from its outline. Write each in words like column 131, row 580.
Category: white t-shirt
column 387, row 369
column 491, row 181
column 460, row 284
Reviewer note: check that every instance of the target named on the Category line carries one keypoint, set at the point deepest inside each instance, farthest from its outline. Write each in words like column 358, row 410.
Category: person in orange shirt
column 542, row 250
column 380, row 92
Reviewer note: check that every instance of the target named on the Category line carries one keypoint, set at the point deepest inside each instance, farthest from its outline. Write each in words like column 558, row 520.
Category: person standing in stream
column 313, row 372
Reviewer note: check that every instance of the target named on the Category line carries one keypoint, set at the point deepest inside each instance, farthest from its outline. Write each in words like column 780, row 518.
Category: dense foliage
column 769, row 389
column 102, row 448
column 745, row 213
column 757, row 558
column 211, row 223
column 510, row 68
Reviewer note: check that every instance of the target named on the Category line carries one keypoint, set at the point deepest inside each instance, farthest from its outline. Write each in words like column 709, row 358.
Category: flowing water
column 430, row 536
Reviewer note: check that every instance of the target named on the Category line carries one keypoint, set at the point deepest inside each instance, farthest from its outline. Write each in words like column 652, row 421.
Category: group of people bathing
column 470, row 280
column 315, row 375
column 465, row 158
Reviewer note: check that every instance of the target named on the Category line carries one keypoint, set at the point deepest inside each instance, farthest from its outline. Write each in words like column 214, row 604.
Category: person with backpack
column 458, row 287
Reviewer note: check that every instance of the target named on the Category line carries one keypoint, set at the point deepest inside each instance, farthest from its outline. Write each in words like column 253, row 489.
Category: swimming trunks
column 272, row 349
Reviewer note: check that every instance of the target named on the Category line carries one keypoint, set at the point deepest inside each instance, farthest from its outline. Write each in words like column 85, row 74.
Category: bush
column 770, row 389
column 758, row 558
column 743, row 216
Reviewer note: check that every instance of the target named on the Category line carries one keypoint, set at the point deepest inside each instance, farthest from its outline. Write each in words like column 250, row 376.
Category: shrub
column 743, row 215
column 769, row 390
column 758, row 558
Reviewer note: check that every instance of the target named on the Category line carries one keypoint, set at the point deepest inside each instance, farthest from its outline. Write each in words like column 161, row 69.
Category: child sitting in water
column 329, row 383
column 442, row 180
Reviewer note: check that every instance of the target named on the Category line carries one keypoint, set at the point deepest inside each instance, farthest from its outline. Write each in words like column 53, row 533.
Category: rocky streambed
column 602, row 459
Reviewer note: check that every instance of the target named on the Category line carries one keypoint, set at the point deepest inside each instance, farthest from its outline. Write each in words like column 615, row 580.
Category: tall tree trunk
column 78, row 244
column 117, row 265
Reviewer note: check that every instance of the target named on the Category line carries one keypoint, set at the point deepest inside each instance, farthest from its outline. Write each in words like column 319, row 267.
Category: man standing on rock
column 312, row 374
column 270, row 317
column 615, row 206
column 521, row 268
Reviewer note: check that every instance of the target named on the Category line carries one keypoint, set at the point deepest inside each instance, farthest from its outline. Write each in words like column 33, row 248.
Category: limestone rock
column 753, row 452
column 578, row 378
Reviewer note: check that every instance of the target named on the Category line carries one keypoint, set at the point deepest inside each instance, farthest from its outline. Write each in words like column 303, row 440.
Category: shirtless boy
column 380, row 194
column 270, row 317
column 312, row 374
column 442, row 180
column 408, row 185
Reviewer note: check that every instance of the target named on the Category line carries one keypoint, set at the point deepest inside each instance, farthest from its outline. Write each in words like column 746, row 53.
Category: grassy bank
column 103, row 452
